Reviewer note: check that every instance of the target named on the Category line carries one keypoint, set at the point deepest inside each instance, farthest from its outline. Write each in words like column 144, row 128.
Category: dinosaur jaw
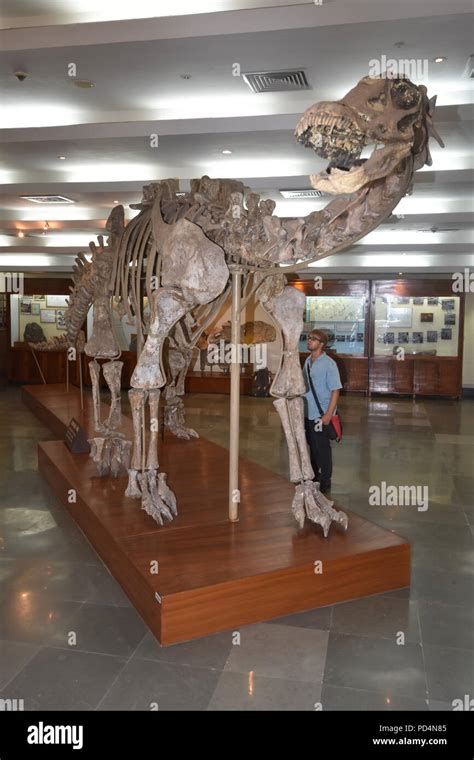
column 335, row 136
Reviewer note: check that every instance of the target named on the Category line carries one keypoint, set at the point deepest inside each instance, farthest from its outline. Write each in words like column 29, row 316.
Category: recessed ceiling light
column 185, row 76
column 400, row 273
column 21, row 234
column 227, row 152
column 62, row 158
column 440, row 59
column 83, row 84
column 115, row 201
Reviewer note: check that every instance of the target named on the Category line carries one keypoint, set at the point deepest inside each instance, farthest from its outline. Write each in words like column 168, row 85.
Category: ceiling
column 107, row 133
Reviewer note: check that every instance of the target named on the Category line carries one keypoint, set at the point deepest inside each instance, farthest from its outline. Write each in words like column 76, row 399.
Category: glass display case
column 421, row 325
column 45, row 312
column 342, row 318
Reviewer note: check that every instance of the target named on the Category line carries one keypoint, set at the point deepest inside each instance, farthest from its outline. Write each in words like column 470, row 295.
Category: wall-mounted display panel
column 421, row 325
column 341, row 317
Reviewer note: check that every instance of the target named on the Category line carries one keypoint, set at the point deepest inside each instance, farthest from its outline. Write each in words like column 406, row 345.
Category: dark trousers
column 321, row 454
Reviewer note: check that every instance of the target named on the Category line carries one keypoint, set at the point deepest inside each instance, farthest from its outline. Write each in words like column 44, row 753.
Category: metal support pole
column 234, row 493
column 38, row 364
column 81, row 384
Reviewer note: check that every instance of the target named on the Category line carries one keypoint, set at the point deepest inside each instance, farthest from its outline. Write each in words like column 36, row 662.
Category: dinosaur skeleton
column 180, row 249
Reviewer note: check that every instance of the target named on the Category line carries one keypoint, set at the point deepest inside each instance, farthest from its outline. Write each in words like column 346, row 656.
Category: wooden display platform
column 212, row 574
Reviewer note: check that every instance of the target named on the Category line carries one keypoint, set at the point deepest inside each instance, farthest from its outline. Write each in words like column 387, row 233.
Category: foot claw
column 158, row 500
column 309, row 501
column 185, row 433
column 297, row 506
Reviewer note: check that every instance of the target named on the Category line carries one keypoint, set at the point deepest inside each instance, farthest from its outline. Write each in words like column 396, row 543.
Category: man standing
column 326, row 383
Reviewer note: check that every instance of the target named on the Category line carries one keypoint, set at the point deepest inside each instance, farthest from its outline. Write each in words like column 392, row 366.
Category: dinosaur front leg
column 112, row 375
column 286, row 306
column 94, row 370
column 168, row 306
column 305, row 501
column 312, row 492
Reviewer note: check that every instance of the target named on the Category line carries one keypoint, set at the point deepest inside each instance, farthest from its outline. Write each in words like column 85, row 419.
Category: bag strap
column 320, row 408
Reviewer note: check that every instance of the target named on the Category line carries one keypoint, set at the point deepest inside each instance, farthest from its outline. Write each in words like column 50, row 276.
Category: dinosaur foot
column 133, row 488
column 309, row 502
column 111, row 454
column 174, row 421
column 184, row 432
column 158, row 500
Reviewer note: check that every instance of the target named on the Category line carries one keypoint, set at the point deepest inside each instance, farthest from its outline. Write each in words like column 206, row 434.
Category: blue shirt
column 325, row 377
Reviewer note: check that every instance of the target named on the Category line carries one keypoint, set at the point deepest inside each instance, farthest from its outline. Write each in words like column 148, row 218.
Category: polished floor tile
column 207, row 652
column 371, row 664
column 380, row 616
column 105, row 630
column 279, row 651
column 319, row 619
column 449, row 672
column 434, row 585
column 438, row 706
column 447, row 625
column 34, row 618
column 245, row 692
column 160, row 686
column 14, row 656
column 465, row 489
column 70, row 581
column 56, row 679
column 342, row 698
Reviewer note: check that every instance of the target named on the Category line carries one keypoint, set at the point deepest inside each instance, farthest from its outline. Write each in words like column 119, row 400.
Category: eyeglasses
column 311, row 338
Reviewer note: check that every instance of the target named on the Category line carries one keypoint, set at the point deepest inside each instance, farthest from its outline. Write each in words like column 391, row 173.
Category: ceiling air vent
column 47, row 198
column 301, row 195
column 277, row 81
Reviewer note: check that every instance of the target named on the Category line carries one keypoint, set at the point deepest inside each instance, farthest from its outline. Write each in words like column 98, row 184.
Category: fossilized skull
column 393, row 113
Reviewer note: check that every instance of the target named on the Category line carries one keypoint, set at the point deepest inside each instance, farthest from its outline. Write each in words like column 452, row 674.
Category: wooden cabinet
column 388, row 375
column 437, row 376
column 416, row 376
column 24, row 369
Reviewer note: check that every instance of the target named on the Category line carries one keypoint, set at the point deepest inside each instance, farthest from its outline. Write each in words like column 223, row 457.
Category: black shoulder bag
column 334, row 429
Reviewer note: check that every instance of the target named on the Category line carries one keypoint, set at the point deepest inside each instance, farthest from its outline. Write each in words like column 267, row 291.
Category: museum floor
column 54, row 586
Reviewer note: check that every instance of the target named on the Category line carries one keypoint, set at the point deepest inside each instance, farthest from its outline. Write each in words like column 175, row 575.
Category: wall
column 19, row 320
column 468, row 361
